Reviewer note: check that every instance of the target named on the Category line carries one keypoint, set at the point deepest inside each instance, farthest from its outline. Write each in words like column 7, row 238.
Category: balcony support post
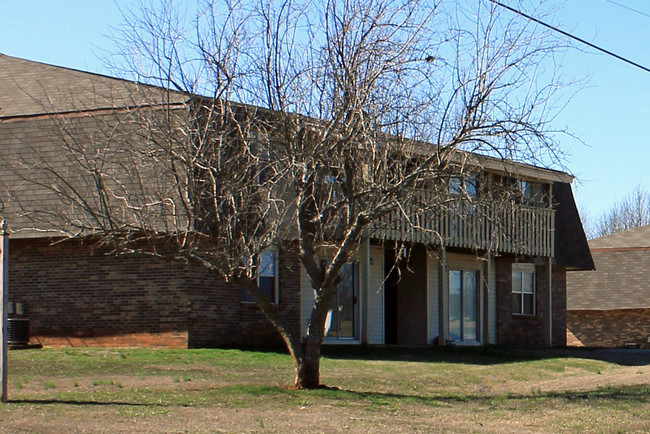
column 443, row 281
column 485, row 299
column 364, row 287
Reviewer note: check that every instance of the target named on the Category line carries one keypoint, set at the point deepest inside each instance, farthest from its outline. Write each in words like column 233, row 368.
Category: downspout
column 550, row 301
column 550, row 270
column 4, row 294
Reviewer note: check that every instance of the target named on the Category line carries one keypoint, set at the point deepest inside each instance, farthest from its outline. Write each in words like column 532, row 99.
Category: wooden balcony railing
column 499, row 227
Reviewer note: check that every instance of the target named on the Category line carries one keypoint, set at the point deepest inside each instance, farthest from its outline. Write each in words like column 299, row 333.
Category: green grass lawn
column 487, row 390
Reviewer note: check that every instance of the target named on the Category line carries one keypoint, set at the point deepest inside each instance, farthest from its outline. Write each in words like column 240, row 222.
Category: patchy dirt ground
column 452, row 417
column 576, row 380
column 532, row 405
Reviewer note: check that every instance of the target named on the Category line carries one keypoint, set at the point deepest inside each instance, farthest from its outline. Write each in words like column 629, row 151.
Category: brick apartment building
column 465, row 288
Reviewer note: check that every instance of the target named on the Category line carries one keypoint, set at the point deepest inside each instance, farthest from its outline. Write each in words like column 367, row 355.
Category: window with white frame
column 532, row 193
column 267, row 278
column 523, row 289
column 467, row 187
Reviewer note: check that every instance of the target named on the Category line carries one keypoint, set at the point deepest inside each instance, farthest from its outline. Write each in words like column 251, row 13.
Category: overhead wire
column 628, row 8
column 569, row 35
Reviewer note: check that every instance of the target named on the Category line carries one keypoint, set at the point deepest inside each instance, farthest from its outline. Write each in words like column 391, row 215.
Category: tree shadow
column 487, row 355
column 619, row 356
column 628, row 394
column 481, row 355
column 83, row 402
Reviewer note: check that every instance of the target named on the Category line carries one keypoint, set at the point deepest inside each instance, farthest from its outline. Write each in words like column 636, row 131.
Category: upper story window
column 267, row 278
column 523, row 289
column 266, row 163
column 532, row 193
column 466, row 187
column 333, row 185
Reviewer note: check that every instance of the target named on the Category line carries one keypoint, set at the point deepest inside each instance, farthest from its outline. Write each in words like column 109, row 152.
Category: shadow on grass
column 619, row 356
column 631, row 394
column 622, row 394
column 488, row 355
column 81, row 402
column 482, row 355
column 452, row 354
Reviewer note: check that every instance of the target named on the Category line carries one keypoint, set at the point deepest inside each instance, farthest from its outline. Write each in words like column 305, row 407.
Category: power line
column 569, row 35
column 628, row 8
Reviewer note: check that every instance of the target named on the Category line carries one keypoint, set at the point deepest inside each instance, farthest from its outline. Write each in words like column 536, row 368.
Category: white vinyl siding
column 432, row 296
column 376, row 296
column 492, row 305
column 306, row 300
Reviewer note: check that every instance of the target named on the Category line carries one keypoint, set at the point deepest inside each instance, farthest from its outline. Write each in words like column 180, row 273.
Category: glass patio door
column 342, row 318
column 463, row 305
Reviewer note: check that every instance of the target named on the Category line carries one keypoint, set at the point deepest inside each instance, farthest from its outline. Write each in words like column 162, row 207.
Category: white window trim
column 276, row 277
column 530, row 269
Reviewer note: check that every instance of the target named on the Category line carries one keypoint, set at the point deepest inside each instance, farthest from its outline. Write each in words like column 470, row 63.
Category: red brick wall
column 220, row 319
column 559, row 306
column 531, row 330
column 73, row 297
column 609, row 328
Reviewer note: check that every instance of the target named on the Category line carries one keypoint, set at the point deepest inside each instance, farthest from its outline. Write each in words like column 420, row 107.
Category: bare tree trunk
column 308, row 366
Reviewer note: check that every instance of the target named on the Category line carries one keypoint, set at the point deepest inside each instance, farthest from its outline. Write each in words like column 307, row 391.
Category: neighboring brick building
column 610, row 307
column 481, row 280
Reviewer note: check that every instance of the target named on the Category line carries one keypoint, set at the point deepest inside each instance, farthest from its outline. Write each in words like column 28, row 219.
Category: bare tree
column 587, row 222
column 304, row 127
column 631, row 212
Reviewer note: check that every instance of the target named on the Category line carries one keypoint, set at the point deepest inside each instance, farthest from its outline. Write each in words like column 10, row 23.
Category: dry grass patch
column 143, row 390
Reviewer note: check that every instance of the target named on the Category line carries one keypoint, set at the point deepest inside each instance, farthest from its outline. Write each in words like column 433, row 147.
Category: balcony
column 504, row 228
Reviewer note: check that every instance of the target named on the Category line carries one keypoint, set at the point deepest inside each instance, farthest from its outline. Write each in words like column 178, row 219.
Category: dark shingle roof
column 632, row 238
column 571, row 248
column 43, row 110
column 30, row 88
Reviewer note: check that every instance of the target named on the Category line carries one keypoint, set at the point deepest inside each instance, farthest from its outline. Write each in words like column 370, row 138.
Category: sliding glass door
column 463, row 305
column 342, row 318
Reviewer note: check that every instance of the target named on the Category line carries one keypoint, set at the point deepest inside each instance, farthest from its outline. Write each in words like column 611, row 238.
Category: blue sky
column 610, row 114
